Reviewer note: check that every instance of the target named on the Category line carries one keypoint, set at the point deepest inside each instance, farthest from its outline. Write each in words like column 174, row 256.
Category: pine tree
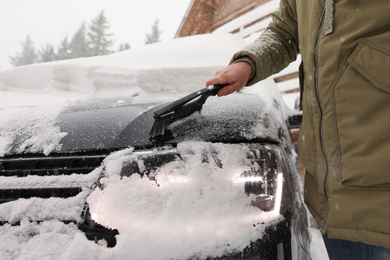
column 155, row 35
column 124, row 46
column 64, row 52
column 47, row 53
column 99, row 38
column 79, row 44
column 28, row 56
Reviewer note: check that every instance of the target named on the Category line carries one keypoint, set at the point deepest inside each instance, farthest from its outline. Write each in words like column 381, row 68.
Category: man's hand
column 235, row 75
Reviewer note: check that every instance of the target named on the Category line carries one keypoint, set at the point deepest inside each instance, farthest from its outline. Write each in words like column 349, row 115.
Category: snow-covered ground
column 178, row 65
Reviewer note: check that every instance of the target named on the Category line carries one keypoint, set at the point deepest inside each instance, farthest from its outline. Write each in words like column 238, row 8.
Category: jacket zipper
column 315, row 60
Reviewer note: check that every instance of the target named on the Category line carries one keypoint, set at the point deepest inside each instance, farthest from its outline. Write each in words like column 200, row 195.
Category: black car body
column 96, row 133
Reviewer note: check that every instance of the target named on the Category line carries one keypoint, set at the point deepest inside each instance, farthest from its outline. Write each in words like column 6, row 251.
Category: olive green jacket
column 344, row 140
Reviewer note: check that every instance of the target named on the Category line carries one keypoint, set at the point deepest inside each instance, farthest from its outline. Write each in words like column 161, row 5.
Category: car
column 218, row 180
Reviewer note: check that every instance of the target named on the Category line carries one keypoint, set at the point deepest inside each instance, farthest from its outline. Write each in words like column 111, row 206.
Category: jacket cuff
column 248, row 60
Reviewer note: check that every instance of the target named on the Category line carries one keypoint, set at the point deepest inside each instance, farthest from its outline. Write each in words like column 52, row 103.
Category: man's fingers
column 219, row 78
column 229, row 89
column 213, row 81
column 235, row 76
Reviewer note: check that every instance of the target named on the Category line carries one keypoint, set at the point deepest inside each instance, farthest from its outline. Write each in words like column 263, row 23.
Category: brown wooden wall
column 207, row 15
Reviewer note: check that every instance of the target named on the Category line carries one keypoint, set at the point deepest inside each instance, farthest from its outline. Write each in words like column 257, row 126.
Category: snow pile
column 196, row 210
column 183, row 64
column 47, row 240
column 41, row 209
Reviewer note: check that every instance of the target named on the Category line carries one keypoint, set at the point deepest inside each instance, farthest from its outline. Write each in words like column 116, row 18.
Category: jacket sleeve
column 276, row 47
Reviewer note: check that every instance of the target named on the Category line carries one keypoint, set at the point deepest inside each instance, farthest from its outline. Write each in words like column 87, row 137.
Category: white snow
column 197, row 209
column 36, row 124
column 41, row 209
column 193, row 212
column 181, row 64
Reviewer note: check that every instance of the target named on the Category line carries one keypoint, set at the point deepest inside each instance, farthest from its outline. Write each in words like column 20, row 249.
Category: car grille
column 42, row 178
column 60, row 183
column 41, row 166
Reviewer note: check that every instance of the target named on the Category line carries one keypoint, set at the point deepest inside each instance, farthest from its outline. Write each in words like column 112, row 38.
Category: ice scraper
column 179, row 109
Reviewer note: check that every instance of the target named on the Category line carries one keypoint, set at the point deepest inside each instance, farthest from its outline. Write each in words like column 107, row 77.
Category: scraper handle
column 172, row 107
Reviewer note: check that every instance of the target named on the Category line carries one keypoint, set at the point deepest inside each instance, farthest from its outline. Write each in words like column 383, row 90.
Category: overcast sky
column 49, row 21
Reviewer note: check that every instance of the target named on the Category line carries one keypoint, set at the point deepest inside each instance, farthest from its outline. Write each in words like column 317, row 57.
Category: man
column 344, row 141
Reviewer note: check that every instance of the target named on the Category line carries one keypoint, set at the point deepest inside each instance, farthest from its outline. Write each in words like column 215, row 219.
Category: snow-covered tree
column 99, row 38
column 155, row 35
column 47, row 53
column 64, row 52
column 88, row 40
column 79, row 45
column 124, row 46
column 29, row 55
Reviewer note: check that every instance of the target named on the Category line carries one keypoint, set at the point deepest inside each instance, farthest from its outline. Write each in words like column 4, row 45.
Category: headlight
column 264, row 180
